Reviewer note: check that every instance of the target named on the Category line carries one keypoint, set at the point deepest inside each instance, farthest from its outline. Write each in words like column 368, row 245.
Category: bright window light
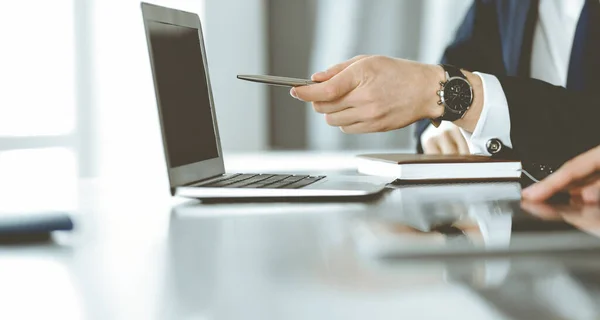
column 37, row 94
column 38, row 180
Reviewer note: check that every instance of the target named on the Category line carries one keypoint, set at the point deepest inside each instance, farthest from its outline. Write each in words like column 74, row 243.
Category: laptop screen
column 183, row 95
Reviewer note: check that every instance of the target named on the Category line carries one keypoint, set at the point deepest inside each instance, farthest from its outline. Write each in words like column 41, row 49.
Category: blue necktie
column 585, row 55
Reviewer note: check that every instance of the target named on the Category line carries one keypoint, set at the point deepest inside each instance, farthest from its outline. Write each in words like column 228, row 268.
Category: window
column 37, row 103
column 75, row 94
column 38, row 54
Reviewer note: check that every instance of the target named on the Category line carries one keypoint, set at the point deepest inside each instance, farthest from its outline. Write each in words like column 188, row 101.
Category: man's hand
column 580, row 176
column 584, row 217
column 446, row 139
column 375, row 93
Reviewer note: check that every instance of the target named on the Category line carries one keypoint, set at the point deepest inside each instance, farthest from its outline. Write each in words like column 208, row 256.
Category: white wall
column 236, row 43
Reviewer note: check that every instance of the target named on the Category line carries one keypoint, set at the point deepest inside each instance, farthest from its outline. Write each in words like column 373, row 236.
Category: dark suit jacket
column 549, row 124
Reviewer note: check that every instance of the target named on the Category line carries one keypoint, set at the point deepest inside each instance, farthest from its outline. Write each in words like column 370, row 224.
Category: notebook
column 419, row 167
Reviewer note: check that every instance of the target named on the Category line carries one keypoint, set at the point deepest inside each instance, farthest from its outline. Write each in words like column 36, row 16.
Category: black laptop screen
column 182, row 93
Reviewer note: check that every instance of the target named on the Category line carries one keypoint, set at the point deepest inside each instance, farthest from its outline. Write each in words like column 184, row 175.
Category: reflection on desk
column 471, row 219
column 295, row 265
column 139, row 254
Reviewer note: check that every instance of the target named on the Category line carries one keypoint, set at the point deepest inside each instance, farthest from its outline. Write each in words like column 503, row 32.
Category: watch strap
column 450, row 116
column 447, row 116
column 452, row 71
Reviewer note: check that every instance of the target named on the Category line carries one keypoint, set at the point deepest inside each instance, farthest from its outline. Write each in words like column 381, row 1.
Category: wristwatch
column 456, row 95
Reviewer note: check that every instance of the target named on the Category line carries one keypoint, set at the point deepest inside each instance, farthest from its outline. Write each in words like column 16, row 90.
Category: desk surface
column 139, row 254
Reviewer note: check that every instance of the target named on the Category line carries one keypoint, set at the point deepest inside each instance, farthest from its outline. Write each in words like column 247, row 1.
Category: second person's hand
column 446, row 139
column 579, row 176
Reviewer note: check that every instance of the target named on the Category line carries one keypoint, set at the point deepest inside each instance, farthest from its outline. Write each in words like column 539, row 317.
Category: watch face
column 458, row 95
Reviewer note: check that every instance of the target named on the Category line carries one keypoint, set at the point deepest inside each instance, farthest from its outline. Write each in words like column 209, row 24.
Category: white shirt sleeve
column 494, row 121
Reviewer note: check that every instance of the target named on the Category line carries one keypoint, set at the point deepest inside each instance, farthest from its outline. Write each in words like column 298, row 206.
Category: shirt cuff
column 494, row 121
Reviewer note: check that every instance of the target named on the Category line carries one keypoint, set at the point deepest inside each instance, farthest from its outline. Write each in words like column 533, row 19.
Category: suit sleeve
column 476, row 47
column 550, row 124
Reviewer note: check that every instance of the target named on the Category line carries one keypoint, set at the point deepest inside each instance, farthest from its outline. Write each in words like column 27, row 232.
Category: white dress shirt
column 551, row 51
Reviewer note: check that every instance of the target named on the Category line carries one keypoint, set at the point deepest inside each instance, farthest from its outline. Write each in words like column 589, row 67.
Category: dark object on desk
column 32, row 226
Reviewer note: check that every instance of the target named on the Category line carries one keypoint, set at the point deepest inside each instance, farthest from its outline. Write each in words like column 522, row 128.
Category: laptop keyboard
column 262, row 181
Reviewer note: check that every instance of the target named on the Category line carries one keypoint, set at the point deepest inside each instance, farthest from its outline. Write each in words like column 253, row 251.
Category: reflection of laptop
column 189, row 124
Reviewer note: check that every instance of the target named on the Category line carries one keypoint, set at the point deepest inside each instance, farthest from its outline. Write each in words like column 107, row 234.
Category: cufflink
column 494, row 146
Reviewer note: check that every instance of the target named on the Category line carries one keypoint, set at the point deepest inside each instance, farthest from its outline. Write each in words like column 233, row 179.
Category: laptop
column 189, row 127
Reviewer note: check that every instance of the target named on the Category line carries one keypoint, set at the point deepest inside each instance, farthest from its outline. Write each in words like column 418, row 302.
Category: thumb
column 330, row 90
column 331, row 72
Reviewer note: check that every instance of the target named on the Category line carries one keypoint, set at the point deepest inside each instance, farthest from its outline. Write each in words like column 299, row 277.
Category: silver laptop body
column 189, row 124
